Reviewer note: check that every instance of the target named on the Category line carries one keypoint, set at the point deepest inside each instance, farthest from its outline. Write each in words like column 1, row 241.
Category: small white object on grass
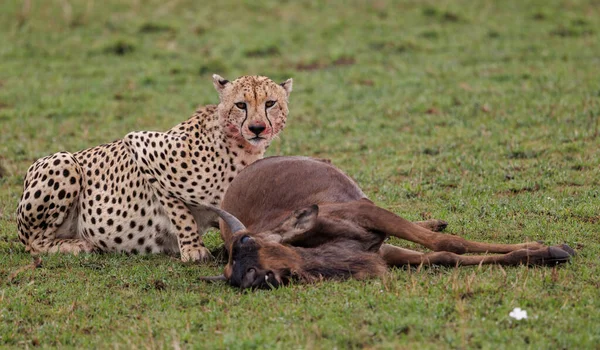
column 518, row 314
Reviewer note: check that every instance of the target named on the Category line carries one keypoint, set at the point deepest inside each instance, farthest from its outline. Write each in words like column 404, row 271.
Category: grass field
column 485, row 114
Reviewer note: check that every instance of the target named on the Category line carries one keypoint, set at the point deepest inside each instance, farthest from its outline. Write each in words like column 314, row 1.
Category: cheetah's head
column 252, row 109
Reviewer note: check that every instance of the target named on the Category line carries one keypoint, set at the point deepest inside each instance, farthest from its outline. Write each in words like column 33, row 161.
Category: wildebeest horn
column 234, row 224
column 213, row 278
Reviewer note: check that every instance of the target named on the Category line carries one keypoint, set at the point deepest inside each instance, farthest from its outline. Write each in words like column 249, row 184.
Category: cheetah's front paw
column 73, row 246
column 196, row 254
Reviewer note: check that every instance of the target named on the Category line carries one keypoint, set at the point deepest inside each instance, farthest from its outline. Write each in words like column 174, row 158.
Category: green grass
column 484, row 114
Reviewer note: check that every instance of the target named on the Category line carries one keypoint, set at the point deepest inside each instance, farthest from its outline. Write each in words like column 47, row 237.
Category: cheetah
column 148, row 192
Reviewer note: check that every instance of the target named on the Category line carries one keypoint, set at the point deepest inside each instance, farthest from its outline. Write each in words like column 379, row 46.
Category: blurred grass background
column 481, row 113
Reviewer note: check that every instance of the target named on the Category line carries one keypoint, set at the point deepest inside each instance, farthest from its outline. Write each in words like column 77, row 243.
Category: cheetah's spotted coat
column 146, row 193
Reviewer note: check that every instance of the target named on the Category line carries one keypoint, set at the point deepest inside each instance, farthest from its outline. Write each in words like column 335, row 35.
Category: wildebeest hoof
column 559, row 255
column 441, row 226
column 568, row 249
column 434, row 225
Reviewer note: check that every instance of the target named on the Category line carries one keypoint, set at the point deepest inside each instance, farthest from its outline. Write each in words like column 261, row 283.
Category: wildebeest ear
column 299, row 222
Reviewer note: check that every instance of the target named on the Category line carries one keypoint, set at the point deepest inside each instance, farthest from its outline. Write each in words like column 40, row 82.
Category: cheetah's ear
column 287, row 86
column 219, row 82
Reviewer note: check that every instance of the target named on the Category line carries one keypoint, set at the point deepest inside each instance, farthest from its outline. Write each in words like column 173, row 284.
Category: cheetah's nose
column 257, row 128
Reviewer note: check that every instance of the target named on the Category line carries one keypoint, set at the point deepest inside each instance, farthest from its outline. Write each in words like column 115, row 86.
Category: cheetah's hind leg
column 47, row 211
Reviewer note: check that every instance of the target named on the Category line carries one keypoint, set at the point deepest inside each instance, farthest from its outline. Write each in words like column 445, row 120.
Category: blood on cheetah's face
column 253, row 109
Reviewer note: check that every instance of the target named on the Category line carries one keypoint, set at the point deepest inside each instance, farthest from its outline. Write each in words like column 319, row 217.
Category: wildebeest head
column 265, row 259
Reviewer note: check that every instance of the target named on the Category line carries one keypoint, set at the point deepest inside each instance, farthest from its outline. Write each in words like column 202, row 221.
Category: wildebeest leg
column 396, row 256
column 373, row 218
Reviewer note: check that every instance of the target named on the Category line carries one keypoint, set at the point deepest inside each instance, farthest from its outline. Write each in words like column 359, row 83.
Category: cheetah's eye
column 269, row 104
column 241, row 105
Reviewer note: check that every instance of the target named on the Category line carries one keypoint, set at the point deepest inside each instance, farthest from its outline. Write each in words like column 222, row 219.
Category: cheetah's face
column 253, row 109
